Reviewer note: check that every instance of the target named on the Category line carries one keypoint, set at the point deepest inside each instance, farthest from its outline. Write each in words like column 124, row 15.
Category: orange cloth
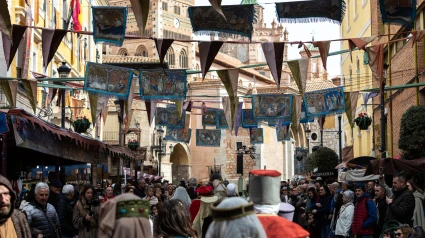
column 8, row 230
column 276, row 226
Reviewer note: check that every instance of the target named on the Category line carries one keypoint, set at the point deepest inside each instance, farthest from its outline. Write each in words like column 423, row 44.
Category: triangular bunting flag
column 150, row 110
column 238, row 118
column 216, row 4
column 129, row 107
column 273, row 51
column 417, row 36
column 360, row 43
column 9, row 88
column 296, row 113
column 207, row 52
column 10, row 47
column 30, row 87
column 141, row 11
column 321, row 121
column 299, row 70
column 307, row 51
column 105, row 114
column 51, row 39
column 5, row 22
column 187, row 106
column 229, row 77
column 324, row 50
column 376, row 57
column 230, row 105
column 203, row 108
column 93, row 105
column 179, row 106
column 162, row 46
column 351, row 105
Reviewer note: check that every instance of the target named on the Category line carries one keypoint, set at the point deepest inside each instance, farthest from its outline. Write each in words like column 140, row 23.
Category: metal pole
column 63, row 109
column 383, row 126
column 119, row 132
column 321, row 136
column 159, row 156
column 340, row 137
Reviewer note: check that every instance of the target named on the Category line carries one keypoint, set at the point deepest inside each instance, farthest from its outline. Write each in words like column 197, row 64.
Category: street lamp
column 120, row 120
column 63, row 71
column 383, row 126
column 340, row 137
column 162, row 142
column 307, row 135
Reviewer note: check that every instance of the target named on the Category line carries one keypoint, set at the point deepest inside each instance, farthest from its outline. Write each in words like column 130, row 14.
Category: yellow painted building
column 357, row 74
column 74, row 49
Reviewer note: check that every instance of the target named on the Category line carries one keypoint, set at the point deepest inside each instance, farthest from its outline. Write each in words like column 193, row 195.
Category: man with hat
column 55, row 187
column 264, row 188
column 365, row 217
column 202, row 217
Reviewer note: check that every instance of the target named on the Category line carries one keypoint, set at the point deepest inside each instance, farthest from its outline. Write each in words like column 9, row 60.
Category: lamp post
column 307, row 135
column 340, row 137
column 383, row 126
column 63, row 71
column 161, row 140
column 120, row 121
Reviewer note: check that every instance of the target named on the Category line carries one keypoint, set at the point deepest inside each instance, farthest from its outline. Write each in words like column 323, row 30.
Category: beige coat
column 418, row 214
column 85, row 229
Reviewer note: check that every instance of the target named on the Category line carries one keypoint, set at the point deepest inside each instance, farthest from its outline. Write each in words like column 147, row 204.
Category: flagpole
column 416, row 67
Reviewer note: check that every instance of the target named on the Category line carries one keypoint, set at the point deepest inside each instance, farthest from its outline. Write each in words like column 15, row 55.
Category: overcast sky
column 300, row 32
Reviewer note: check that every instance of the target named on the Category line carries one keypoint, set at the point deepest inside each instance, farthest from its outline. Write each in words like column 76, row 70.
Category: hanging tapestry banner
column 178, row 135
column 221, row 120
column 109, row 24
column 325, row 102
column 283, row 133
column 272, row 106
column 248, row 120
column 108, row 80
column 3, row 123
column 210, row 118
column 169, row 117
column 155, row 84
column 256, row 135
column 399, row 12
column 304, row 118
column 209, row 138
column 240, row 19
column 311, row 11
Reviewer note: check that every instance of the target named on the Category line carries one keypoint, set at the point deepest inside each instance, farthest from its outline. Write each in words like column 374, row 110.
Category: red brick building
column 401, row 57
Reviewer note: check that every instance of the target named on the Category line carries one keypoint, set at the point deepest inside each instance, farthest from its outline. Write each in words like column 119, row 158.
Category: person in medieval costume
column 220, row 189
column 264, row 192
column 203, row 217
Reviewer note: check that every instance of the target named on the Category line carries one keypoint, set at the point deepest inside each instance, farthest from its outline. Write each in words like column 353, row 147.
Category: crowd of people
column 272, row 208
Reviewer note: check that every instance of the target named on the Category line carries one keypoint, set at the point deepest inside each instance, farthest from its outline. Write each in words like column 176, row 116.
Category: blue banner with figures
column 178, row 135
column 109, row 24
column 155, row 84
column 248, row 120
column 256, row 135
column 272, row 106
column 169, row 117
column 210, row 138
column 210, row 117
column 325, row 102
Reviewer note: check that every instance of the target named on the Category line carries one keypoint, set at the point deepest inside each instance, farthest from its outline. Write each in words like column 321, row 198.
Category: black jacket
column 382, row 207
column 402, row 207
column 139, row 192
column 65, row 212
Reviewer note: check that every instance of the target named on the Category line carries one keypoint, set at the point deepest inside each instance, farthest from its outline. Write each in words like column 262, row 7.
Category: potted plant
column 363, row 121
column 81, row 124
column 133, row 144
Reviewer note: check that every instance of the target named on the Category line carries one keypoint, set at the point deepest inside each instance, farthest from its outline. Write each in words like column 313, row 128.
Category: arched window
column 183, row 59
column 170, row 57
column 358, row 66
column 123, row 52
column 142, row 51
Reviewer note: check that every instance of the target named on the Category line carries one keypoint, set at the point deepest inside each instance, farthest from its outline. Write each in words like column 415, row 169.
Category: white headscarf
column 246, row 226
column 181, row 194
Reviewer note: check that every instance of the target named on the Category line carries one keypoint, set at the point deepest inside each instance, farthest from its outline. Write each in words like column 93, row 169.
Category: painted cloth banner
column 210, row 138
column 210, row 118
column 169, row 117
column 108, row 80
column 3, row 123
column 240, row 19
column 221, row 120
column 248, row 120
column 325, row 102
column 272, row 106
column 178, row 135
column 402, row 12
column 311, row 11
column 256, row 135
column 109, row 24
column 282, row 133
column 157, row 84
column 304, row 118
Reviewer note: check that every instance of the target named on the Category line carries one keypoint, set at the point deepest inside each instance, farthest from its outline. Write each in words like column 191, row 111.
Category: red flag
column 76, row 15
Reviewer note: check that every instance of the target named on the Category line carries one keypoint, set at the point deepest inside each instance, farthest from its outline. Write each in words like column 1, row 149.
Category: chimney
column 336, row 81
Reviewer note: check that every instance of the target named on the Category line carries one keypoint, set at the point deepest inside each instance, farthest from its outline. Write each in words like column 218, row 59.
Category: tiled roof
column 310, row 47
column 314, row 85
column 127, row 59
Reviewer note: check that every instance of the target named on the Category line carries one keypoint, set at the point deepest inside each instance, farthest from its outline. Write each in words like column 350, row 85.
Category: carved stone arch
column 123, row 52
column 142, row 51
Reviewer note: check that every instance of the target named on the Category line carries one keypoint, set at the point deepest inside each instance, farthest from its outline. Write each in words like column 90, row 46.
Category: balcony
column 111, row 137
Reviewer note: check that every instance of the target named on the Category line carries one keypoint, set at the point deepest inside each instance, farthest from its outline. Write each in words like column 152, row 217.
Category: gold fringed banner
column 30, row 87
